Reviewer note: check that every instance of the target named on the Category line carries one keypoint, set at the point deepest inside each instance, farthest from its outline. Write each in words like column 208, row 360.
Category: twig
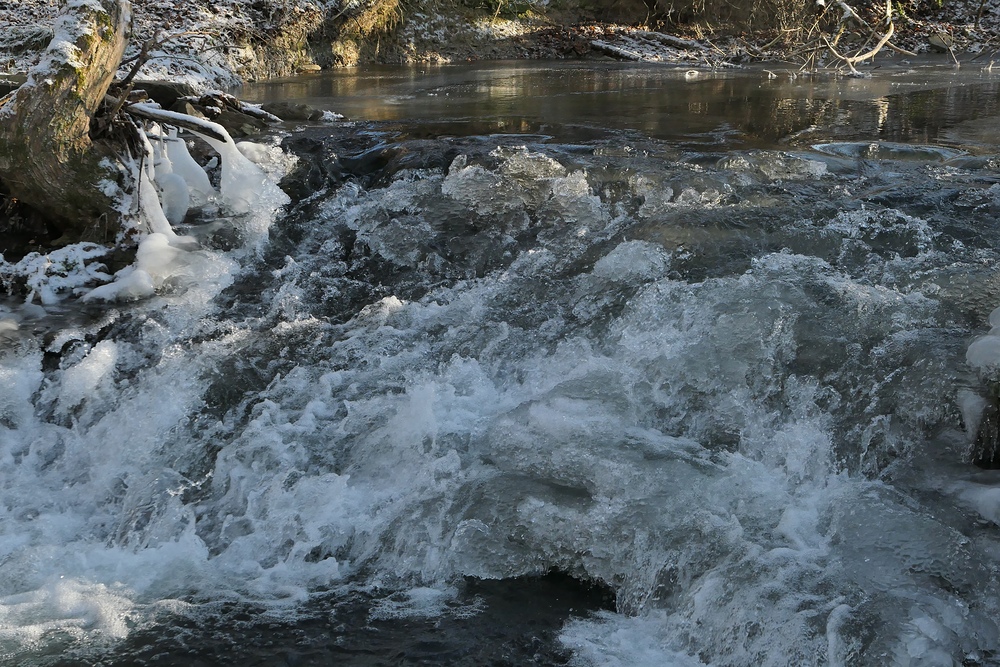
column 878, row 47
column 841, row 57
column 807, row 49
column 720, row 51
column 851, row 60
column 771, row 43
column 899, row 49
column 140, row 60
column 145, row 52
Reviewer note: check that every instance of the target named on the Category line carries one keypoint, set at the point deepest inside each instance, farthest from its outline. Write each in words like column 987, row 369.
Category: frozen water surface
column 562, row 364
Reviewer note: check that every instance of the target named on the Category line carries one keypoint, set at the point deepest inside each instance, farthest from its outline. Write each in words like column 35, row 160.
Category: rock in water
column 291, row 111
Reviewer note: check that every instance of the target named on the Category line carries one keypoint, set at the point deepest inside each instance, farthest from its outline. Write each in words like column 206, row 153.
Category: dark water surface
column 737, row 108
column 548, row 363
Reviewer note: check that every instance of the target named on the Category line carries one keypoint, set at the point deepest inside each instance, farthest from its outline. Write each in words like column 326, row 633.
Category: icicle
column 149, row 201
column 166, row 177
column 155, row 180
column 244, row 185
column 185, row 166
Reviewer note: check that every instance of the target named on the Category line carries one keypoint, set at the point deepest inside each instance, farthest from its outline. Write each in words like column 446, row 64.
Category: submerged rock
column 239, row 119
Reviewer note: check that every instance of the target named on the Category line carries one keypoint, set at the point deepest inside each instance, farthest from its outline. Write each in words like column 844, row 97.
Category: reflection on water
column 734, row 107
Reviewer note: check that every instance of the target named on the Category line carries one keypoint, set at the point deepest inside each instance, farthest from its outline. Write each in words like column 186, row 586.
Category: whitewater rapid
column 726, row 387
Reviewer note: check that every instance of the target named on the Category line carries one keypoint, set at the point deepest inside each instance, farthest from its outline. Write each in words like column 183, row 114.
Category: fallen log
column 54, row 157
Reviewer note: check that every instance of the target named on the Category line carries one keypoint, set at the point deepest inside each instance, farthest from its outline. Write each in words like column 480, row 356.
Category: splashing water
column 727, row 387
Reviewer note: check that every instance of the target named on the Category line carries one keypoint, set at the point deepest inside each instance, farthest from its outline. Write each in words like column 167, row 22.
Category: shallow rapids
column 727, row 387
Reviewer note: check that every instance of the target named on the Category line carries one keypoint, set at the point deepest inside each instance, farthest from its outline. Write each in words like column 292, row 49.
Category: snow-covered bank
column 214, row 44
column 220, row 43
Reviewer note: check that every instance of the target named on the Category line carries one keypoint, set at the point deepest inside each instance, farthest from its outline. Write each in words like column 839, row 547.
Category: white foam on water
column 64, row 606
column 478, row 187
column 422, row 602
column 269, row 157
column 711, row 449
column 96, row 533
column 657, row 197
column 84, row 379
column 612, row 640
column 633, row 261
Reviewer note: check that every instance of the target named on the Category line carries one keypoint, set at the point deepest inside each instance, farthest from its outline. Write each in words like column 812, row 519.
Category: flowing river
column 547, row 363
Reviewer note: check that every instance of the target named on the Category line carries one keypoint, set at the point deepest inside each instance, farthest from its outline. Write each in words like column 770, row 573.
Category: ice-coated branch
column 155, row 113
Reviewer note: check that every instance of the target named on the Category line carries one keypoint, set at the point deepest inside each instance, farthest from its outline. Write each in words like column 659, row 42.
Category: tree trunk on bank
column 49, row 158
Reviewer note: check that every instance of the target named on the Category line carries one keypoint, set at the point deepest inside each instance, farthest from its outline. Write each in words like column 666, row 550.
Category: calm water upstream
column 587, row 364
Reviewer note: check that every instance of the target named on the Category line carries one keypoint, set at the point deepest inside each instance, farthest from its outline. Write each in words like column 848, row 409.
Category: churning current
column 690, row 346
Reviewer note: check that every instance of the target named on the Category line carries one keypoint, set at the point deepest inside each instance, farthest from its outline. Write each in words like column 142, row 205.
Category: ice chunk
column 984, row 353
column 128, row 286
column 156, row 257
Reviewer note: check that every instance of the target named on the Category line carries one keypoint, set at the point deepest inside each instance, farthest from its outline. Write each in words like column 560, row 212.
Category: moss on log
column 49, row 159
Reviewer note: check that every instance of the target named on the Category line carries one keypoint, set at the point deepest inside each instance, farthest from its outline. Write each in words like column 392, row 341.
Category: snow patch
column 52, row 275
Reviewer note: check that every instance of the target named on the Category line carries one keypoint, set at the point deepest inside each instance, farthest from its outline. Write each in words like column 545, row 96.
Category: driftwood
column 50, row 158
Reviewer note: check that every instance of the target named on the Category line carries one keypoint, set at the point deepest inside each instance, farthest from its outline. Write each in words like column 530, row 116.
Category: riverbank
column 222, row 43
